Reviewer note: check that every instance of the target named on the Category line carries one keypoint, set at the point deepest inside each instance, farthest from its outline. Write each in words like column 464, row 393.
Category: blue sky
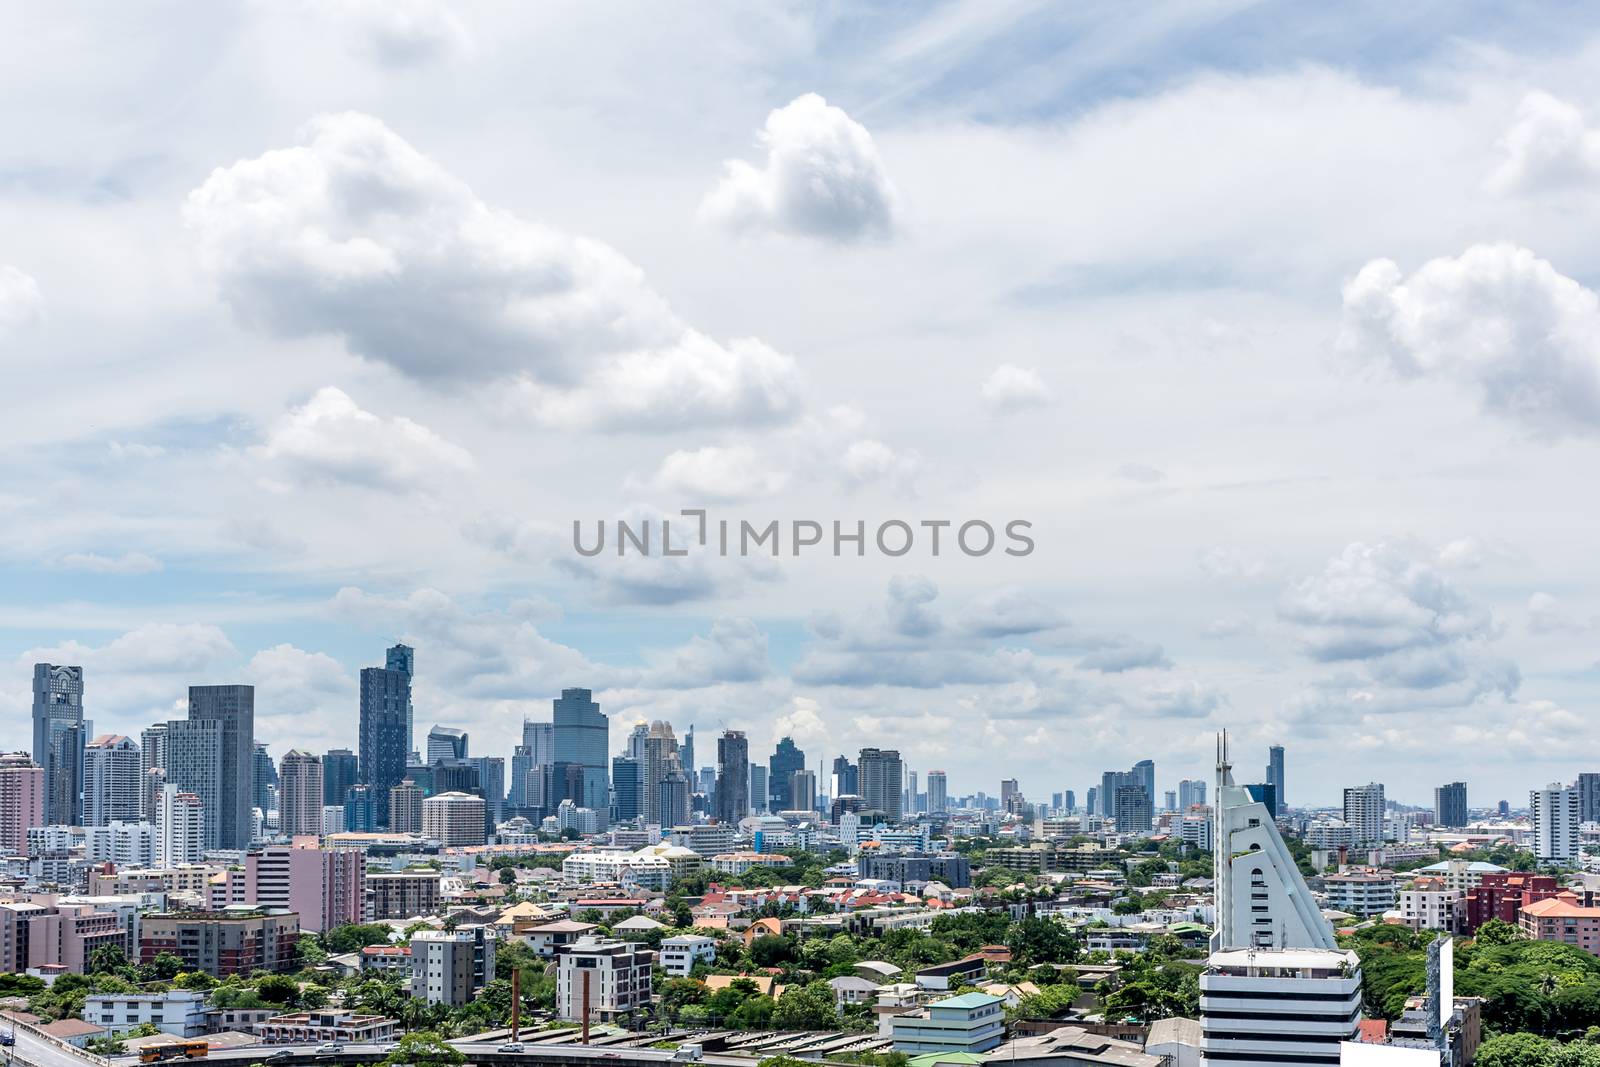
column 1277, row 322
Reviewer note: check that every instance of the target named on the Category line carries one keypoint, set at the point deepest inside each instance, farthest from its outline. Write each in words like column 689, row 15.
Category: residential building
column 1555, row 816
column 1191, row 792
column 180, row 827
column 1450, row 804
column 680, row 954
column 451, row 966
column 325, row 1025
column 405, row 808
column 340, row 771
column 787, row 758
column 58, row 738
column 233, row 706
column 332, row 819
column 126, row 844
column 300, row 794
column 581, row 734
column 112, row 776
column 1503, row 896
column 1588, row 786
column 971, row 1023
column 879, row 772
column 264, row 778
column 237, row 941
column 1360, row 892
column 385, row 733
column 194, row 766
column 453, row 819
column 178, row 1012
column 403, row 894
column 22, row 800
column 152, row 766
column 733, row 777
column 325, row 887
column 1561, row 918
column 1363, row 813
column 1426, row 904
column 916, row 869
column 611, row 977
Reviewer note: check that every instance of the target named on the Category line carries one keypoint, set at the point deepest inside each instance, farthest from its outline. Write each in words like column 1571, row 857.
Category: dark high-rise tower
column 1450, row 804
column 385, row 704
column 1275, row 772
column 265, row 780
column 733, row 777
column 234, row 706
column 844, row 777
column 786, row 759
column 58, row 707
column 339, row 773
column 402, row 658
column 582, row 739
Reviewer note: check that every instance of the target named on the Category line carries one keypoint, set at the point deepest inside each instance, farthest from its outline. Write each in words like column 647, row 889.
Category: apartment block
column 611, row 977
column 236, row 941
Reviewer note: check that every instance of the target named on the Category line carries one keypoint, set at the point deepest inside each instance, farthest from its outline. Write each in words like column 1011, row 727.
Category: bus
column 175, row 1050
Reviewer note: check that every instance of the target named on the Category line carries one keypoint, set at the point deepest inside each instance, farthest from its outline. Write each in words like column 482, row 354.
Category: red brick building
column 1503, row 896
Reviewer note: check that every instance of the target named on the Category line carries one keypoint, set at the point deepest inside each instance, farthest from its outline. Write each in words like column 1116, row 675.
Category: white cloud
column 734, row 651
column 1549, row 146
column 303, row 699
column 1010, row 389
column 1547, row 615
column 717, row 475
column 822, row 179
column 870, row 462
column 1496, row 318
column 400, row 33
column 355, row 233
column 20, row 298
column 95, row 563
column 331, row 439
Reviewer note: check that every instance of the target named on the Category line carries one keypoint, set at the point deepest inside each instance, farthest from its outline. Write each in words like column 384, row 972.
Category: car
column 329, row 1047
column 513, row 1046
column 8, row 1038
column 279, row 1056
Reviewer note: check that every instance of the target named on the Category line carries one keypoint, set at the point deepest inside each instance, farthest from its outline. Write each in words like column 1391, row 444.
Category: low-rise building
column 402, row 894
column 234, row 941
column 451, row 966
column 1360, row 892
column 1426, row 904
column 611, row 977
column 312, row 1027
column 741, row 862
column 1562, row 918
column 972, row 1022
column 680, row 954
column 179, row 1012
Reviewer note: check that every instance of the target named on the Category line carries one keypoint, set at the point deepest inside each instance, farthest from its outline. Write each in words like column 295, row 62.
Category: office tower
column 264, row 778
column 1275, row 773
column 64, row 784
column 1069, row 800
column 538, row 749
column 1589, row 797
column 361, row 809
column 1172, row 800
column 180, row 827
column 155, row 779
column 686, row 752
column 112, row 780
column 1364, row 811
column 492, row 786
column 583, row 739
column 300, row 794
column 880, row 774
column 803, row 790
column 385, row 741
column 402, row 660
column 1132, row 805
column 1554, row 813
column 21, row 800
column 625, row 778
column 1190, row 793
column 1144, row 776
column 1010, row 793
column 1110, row 782
column 340, row 771
column 446, row 742
column 1266, row 794
column 195, row 750
column 665, row 794
column 733, row 777
column 234, row 707
column 405, row 808
column 1093, row 804
column 152, row 757
column 706, row 780
column 1450, row 804
column 938, row 802
column 758, row 789
column 844, row 777
column 784, row 761
column 58, row 706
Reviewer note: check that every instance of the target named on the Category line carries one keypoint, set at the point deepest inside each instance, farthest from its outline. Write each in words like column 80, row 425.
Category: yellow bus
column 192, row 1049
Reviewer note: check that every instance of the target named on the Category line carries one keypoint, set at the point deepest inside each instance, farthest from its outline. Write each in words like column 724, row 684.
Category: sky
column 321, row 324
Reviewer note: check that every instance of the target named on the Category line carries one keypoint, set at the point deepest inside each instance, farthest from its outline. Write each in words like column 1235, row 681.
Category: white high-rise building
column 300, row 793
column 111, row 780
column 1276, row 991
column 127, row 844
column 1556, row 816
column 1363, row 813
column 453, row 819
column 180, row 828
column 332, row 819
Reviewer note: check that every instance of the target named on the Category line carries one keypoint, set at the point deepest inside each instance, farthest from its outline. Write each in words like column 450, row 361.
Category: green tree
column 164, row 968
column 771, row 950
column 1037, row 940
column 278, row 989
column 425, row 1048
column 808, row 1007
column 1516, row 1050
column 1497, row 932
column 107, row 958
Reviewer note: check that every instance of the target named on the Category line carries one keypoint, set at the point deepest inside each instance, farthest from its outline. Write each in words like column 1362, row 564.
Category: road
column 34, row 1050
column 476, row 1052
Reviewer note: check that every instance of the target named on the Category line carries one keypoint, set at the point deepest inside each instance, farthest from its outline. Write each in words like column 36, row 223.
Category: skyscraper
column 1450, row 804
column 686, row 751
column 340, row 771
column 803, row 790
column 112, row 780
column 583, row 740
column 844, row 777
column 1191, row 791
column 1070, row 800
column 152, row 757
column 880, row 773
column 758, row 789
column 402, row 659
column 300, row 794
column 1275, row 773
column 625, row 779
column 64, row 780
column 733, row 777
column 385, row 706
column 1133, row 809
column 1554, row 813
column 194, row 766
column 538, row 749
column 1589, row 797
column 180, row 825
column 938, row 788
column 665, row 795
column 234, row 706
column 1010, row 794
column 786, row 759
column 1110, row 782
column 1144, row 776
column 446, row 742
column 21, row 800
column 492, row 787
column 1364, row 811
column 264, row 776
column 58, row 706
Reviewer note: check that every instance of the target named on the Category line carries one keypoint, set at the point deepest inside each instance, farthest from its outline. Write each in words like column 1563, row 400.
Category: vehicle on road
column 688, row 1052
column 279, row 1056
column 175, row 1050
column 8, row 1038
column 329, row 1047
column 513, row 1046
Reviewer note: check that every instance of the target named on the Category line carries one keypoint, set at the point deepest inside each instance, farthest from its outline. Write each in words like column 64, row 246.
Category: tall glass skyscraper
column 1275, row 772
column 57, row 709
column 385, row 735
column 583, row 740
column 339, row 773
column 402, row 658
column 234, row 706
column 733, row 777
column 786, row 759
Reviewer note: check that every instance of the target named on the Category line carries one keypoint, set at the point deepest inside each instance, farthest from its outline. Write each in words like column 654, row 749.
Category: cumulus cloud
column 1496, row 319
column 20, row 298
column 717, row 475
column 634, row 577
column 822, row 179
column 1125, row 655
column 354, row 233
column 734, row 651
column 870, row 462
column 1548, row 146
column 95, row 563
column 400, row 33
column 1010, row 389
column 303, row 699
column 1009, row 613
column 1547, row 615
column 331, row 439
